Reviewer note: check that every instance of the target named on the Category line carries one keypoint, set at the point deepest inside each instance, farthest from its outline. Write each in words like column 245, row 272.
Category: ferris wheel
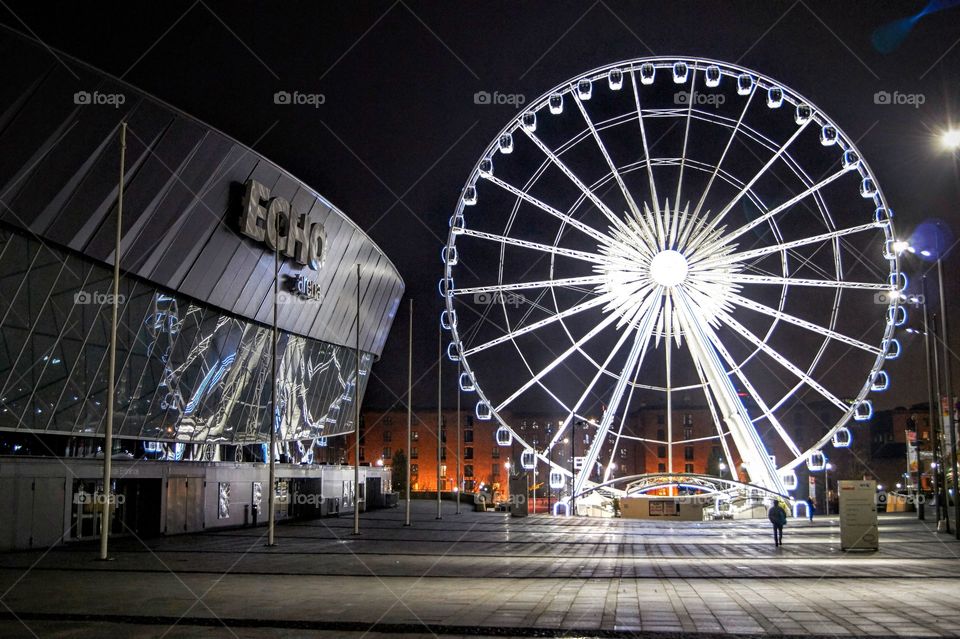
column 671, row 232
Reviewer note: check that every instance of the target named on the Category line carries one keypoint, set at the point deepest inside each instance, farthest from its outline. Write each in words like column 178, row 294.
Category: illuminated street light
column 951, row 139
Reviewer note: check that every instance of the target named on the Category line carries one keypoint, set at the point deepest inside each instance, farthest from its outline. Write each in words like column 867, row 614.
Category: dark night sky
column 399, row 130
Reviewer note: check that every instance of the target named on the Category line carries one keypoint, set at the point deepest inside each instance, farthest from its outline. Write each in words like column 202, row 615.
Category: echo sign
column 272, row 221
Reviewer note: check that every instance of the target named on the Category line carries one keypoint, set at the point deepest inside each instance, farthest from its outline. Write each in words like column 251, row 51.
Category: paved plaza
column 485, row 574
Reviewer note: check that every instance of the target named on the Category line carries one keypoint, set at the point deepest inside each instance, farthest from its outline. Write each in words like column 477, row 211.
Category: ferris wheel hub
column 669, row 268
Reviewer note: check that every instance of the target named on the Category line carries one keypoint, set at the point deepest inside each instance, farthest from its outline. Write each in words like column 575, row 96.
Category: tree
column 399, row 467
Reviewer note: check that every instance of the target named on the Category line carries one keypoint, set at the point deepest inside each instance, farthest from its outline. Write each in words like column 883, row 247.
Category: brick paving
column 480, row 574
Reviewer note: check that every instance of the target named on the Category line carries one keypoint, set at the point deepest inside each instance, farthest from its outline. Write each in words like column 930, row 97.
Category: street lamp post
column 948, row 390
column 931, row 413
column 933, row 393
column 951, row 141
column 535, row 481
column 826, row 487
column 573, row 467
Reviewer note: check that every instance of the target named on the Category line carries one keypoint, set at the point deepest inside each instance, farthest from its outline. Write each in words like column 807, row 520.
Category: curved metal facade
column 198, row 292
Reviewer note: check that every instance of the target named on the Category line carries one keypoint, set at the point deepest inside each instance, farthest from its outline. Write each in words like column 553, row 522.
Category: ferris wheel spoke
column 783, row 361
column 796, row 321
column 733, row 135
column 526, row 286
column 686, row 137
column 596, row 330
column 536, row 246
column 749, row 185
column 637, row 352
column 623, row 421
column 546, row 208
column 587, row 191
column 510, row 335
column 785, row 246
column 646, row 146
column 735, row 415
column 746, row 278
column 729, row 237
column 603, row 150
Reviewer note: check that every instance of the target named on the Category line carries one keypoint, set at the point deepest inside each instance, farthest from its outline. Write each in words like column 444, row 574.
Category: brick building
column 383, row 433
column 643, row 448
column 878, row 449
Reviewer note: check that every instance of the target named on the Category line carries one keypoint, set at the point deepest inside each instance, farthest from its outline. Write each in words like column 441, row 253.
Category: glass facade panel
column 185, row 372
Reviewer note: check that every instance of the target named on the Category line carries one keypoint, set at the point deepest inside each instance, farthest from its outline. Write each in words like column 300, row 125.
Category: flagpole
column 409, row 409
column 459, row 444
column 274, row 415
column 439, row 416
column 356, row 422
column 106, row 516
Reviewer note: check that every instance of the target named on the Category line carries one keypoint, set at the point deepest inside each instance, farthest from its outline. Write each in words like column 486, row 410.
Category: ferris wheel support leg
column 735, row 415
column 637, row 352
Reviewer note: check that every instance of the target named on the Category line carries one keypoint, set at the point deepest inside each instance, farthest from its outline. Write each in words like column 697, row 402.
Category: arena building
column 205, row 220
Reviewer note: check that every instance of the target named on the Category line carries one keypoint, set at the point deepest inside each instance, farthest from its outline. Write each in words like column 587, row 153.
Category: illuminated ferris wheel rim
column 628, row 71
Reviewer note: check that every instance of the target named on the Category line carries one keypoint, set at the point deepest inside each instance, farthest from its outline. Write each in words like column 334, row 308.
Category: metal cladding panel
column 196, row 224
column 161, row 231
column 161, row 168
column 39, row 122
column 183, row 202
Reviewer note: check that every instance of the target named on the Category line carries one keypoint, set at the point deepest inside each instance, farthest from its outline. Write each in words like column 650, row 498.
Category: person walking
column 811, row 508
column 778, row 517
